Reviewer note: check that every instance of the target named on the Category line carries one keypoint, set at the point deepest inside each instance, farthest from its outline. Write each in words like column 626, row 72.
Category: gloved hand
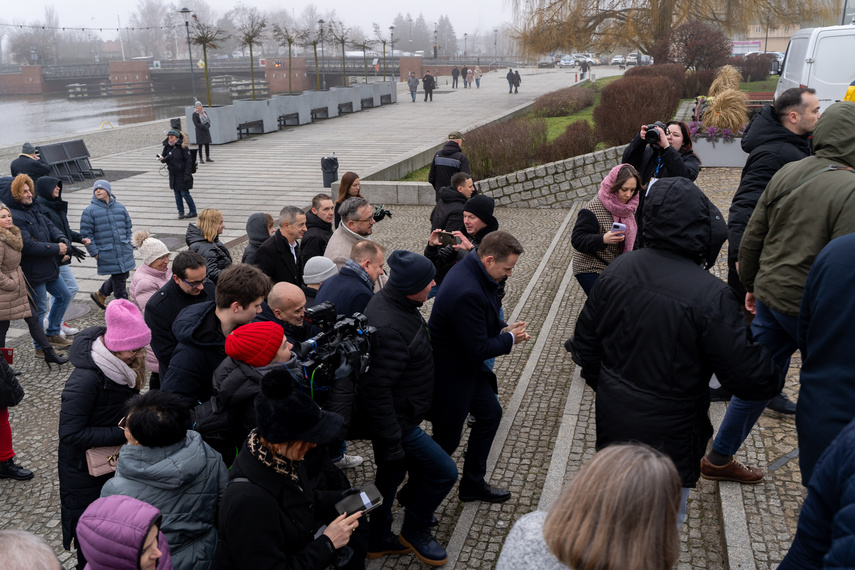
column 77, row 253
column 381, row 212
column 188, row 177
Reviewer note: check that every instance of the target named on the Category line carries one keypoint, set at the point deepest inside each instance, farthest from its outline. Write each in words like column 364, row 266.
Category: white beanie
column 318, row 269
column 150, row 248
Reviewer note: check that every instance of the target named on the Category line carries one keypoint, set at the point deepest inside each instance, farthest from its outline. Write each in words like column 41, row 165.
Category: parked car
column 645, row 60
column 632, row 59
column 617, row 60
column 546, row 62
column 567, row 61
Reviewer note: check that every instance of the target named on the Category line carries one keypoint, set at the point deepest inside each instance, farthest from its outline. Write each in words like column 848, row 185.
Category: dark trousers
column 487, row 412
column 34, row 323
column 207, row 148
column 587, row 280
column 454, row 82
column 428, row 93
column 432, row 475
column 116, row 285
column 180, row 197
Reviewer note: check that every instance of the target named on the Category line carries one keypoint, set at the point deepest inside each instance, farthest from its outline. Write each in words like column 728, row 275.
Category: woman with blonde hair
column 619, row 513
column 204, row 239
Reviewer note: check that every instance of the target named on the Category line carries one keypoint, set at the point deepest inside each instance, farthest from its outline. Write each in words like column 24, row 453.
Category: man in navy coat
column 466, row 330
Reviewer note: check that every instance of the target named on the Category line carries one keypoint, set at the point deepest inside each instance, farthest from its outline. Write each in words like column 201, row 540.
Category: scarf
column 621, row 213
column 356, row 268
column 271, row 459
column 112, row 367
column 203, row 116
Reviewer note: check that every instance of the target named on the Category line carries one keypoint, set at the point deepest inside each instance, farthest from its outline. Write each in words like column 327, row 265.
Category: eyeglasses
column 123, row 422
column 194, row 284
column 371, row 219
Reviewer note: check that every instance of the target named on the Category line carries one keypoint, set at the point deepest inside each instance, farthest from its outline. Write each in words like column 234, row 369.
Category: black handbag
column 11, row 392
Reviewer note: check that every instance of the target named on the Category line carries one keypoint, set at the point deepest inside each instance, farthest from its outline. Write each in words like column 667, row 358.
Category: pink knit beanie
column 126, row 329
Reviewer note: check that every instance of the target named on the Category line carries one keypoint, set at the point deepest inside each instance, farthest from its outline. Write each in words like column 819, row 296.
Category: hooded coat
column 179, row 163
column 447, row 215
column 256, row 231
column 109, row 227
column 146, row 282
column 56, row 209
column 92, row 406
column 216, row 254
column 317, row 236
column 657, row 326
column 40, row 254
column 13, row 287
column 185, row 481
column 113, row 532
column 774, row 260
column 769, row 146
column 446, row 163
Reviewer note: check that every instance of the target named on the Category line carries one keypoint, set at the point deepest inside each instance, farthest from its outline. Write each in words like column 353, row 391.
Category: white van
column 820, row 58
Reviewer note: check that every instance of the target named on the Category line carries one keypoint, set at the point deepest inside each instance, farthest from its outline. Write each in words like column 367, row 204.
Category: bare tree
column 341, row 35
column 146, row 27
column 360, row 41
column 207, row 36
column 286, row 35
column 250, row 27
column 380, row 38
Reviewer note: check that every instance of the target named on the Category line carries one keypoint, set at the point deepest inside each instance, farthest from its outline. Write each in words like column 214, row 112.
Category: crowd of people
column 205, row 424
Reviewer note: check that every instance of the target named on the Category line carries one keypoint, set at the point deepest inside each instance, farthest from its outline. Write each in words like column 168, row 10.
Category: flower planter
column 369, row 91
column 323, row 100
column 264, row 110
column 348, row 96
column 388, row 92
column 223, row 123
column 293, row 104
column 721, row 153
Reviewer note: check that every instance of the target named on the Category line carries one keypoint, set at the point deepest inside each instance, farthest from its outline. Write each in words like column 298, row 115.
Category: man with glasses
column 357, row 221
column 188, row 286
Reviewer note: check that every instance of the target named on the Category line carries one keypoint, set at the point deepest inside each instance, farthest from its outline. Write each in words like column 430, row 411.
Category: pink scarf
column 621, row 213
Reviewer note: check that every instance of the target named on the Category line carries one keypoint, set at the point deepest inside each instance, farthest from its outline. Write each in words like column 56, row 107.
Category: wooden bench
column 320, row 113
column 345, row 107
column 386, row 99
column 758, row 100
column 367, row 103
column 248, row 126
column 283, row 120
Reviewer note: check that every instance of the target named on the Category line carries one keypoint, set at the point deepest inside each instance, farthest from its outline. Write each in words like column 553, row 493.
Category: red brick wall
column 28, row 82
column 277, row 77
column 129, row 71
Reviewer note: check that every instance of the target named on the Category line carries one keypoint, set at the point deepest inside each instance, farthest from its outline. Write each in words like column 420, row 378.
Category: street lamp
column 464, row 45
column 435, row 51
column 392, row 42
column 495, row 44
column 323, row 53
column 185, row 13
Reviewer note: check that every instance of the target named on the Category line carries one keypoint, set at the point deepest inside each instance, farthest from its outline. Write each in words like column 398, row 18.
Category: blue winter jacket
column 825, row 537
column 108, row 225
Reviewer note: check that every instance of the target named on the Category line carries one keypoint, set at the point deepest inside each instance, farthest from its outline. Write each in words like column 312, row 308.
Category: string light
column 65, row 28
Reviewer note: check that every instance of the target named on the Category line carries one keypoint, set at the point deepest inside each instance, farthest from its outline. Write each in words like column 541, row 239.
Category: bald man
column 286, row 306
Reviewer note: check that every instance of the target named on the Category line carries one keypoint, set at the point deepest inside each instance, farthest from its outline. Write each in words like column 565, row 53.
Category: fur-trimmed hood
column 183, row 140
column 12, row 237
column 18, row 187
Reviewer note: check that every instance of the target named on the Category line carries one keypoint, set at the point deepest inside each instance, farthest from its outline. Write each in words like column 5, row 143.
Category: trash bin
column 329, row 166
column 175, row 124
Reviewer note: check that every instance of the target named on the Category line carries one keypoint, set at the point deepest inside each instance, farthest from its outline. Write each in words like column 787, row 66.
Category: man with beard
column 319, row 228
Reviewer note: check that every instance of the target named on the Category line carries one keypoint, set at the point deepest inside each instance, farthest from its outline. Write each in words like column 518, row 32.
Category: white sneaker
column 348, row 461
column 67, row 330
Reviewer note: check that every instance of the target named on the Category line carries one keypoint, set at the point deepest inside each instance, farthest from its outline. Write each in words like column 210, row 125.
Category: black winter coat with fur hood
column 179, row 163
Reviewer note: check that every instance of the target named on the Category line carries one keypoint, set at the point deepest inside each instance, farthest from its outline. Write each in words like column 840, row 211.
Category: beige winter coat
column 13, row 287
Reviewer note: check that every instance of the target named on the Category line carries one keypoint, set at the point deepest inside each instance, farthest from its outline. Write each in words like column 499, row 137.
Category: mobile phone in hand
column 446, row 238
column 618, row 228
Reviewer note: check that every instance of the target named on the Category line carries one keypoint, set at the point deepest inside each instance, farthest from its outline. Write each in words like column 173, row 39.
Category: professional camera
column 652, row 136
column 381, row 212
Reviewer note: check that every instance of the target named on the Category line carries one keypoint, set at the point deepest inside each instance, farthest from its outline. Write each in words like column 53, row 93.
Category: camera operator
column 660, row 151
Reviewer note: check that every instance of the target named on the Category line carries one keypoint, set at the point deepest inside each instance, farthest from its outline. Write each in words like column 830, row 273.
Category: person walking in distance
column 510, row 78
column 517, row 81
column 413, row 84
column 428, row 82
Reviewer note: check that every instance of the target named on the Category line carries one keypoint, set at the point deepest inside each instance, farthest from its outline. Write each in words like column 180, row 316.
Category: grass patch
column 557, row 125
column 420, row 175
column 767, row 85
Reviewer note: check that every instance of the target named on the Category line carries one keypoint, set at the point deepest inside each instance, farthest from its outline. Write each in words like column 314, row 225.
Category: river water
column 37, row 117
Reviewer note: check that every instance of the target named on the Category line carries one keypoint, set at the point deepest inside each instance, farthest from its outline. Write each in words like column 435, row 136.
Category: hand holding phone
column 446, row 238
column 618, row 228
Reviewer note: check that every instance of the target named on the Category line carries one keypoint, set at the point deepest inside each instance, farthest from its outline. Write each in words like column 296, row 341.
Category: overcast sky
column 465, row 16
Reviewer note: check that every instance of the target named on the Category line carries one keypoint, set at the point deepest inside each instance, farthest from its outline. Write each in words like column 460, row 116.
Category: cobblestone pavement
column 534, row 417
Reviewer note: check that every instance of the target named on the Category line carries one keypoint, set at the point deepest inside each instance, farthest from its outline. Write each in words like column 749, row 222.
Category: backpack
column 213, row 423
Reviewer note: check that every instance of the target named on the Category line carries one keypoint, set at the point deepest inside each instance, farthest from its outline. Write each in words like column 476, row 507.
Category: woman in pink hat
column 109, row 370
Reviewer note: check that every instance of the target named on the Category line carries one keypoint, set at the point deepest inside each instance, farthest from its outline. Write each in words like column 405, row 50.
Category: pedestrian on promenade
column 148, row 279
column 44, row 246
column 319, row 227
column 106, row 223
column 204, row 239
column 455, row 74
column 685, row 325
column 15, row 304
column 413, row 84
column 348, row 187
column 109, row 369
column 49, row 195
column 447, row 162
column 22, row 550
column 620, row 511
column 477, row 75
column 259, row 227
column 172, row 469
column 203, row 131
column 465, row 330
column 595, row 237
column 817, row 196
column 517, row 81
column 179, row 164
column 30, row 163
column 510, row 78
column 464, row 74
column 428, row 82
column 122, row 533
column 470, row 76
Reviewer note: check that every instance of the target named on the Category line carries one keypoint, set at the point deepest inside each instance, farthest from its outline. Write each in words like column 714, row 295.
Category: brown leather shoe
column 59, row 340
column 733, row 470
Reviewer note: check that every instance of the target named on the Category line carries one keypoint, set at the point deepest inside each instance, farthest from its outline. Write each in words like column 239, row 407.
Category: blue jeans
column 62, row 298
column 777, row 332
column 478, row 83
column 432, row 475
column 70, row 282
column 413, row 94
column 180, row 197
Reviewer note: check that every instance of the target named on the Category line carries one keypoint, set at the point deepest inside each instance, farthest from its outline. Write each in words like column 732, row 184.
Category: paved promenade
column 548, row 429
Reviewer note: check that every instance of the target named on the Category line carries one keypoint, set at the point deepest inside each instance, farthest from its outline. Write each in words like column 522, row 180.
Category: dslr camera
column 652, row 136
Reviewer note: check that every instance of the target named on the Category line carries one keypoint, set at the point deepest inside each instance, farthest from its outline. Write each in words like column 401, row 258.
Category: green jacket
column 793, row 221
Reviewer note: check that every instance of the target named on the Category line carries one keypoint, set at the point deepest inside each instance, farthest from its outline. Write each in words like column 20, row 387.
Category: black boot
column 782, row 404
column 423, row 544
column 8, row 470
column 52, row 357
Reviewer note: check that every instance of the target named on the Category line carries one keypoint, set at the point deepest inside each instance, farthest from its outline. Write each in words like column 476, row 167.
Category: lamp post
column 323, row 54
column 435, row 51
column 496, row 44
column 185, row 13
column 392, row 43
column 465, row 36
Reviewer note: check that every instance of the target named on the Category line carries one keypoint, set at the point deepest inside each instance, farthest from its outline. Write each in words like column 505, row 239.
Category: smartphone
column 367, row 499
column 158, row 157
column 618, row 228
column 446, row 238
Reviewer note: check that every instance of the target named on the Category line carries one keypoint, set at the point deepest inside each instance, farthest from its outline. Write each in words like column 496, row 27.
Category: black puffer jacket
column 444, row 257
column 447, row 215
column 657, row 326
column 256, row 231
column 216, row 254
column 179, row 164
column 316, row 238
column 770, row 146
column 446, row 163
column 92, row 406
column 56, row 209
column 398, row 389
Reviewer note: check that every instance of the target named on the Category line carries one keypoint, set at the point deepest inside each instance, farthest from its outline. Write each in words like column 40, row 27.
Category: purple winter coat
column 112, row 532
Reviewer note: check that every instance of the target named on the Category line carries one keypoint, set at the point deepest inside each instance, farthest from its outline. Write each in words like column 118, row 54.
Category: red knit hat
column 255, row 343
